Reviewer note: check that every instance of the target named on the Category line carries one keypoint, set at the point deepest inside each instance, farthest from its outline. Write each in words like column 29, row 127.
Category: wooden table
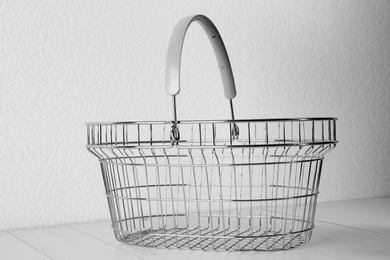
column 358, row 229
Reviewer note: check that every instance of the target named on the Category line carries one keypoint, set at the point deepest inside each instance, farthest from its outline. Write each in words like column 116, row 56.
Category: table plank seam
column 8, row 232
column 346, row 226
column 72, row 227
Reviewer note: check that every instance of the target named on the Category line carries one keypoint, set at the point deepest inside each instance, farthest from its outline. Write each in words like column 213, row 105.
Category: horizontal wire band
column 208, row 166
column 213, row 200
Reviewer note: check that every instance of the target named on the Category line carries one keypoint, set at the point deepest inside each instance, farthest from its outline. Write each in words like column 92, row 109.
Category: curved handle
column 172, row 75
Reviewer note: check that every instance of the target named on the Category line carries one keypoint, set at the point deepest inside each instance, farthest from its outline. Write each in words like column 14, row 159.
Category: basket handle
column 172, row 75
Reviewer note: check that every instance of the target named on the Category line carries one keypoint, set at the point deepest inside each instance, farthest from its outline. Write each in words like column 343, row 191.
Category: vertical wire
column 242, row 188
column 191, row 168
column 220, row 206
column 89, row 135
column 178, row 169
column 137, row 193
column 100, row 134
column 163, row 135
column 208, row 187
column 249, row 133
column 297, row 175
column 185, row 202
column 309, row 154
column 297, row 216
column 138, row 135
column 274, row 185
column 221, row 215
column 234, row 173
column 189, row 184
column 278, row 173
column 312, row 132
column 116, row 220
column 200, row 134
column 229, row 198
column 311, row 188
column 121, row 187
column 140, row 198
column 284, row 200
column 231, row 131
column 250, row 163
column 201, row 184
column 127, row 134
column 165, row 184
column 213, row 132
column 311, row 158
column 293, row 163
column 116, row 134
column 260, row 158
column 295, row 187
column 106, row 134
column 318, row 175
column 107, row 187
column 274, row 195
column 257, row 205
column 307, row 187
column 274, row 188
column 124, row 132
column 130, row 198
column 159, row 205
column 162, row 223
column 171, row 190
column 147, row 189
column 229, row 216
column 205, row 136
column 210, row 176
column 111, row 138
column 115, row 194
column 268, row 222
column 299, row 132
column 196, row 197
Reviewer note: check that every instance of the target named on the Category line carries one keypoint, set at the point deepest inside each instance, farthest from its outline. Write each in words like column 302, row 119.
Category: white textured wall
column 64, row 63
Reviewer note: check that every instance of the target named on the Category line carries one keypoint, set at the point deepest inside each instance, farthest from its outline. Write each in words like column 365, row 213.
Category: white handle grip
column 172, row 75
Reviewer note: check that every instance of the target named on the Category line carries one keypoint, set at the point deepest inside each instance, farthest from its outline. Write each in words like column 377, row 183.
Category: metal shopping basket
column 215, row 184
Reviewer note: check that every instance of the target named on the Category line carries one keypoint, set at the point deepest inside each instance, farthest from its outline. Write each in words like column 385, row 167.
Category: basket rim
column 181, row 146
column 217, row 121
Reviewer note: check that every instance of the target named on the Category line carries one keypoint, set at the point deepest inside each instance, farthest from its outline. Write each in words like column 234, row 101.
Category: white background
column 64, row 63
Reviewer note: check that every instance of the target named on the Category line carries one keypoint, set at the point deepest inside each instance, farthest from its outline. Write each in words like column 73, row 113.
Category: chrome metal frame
column 209, row 191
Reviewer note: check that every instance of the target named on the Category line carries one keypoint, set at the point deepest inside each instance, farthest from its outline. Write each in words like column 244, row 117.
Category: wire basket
column 212, row 185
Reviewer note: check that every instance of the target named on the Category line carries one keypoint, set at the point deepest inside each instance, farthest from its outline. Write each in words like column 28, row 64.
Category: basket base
column 206, row 239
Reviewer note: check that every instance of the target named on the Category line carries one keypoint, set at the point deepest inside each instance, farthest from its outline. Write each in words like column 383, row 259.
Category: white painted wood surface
column 357, row 229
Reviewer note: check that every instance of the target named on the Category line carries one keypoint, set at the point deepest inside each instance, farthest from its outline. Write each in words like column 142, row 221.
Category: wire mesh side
column 213, row 199
column 132, row 134
column 253, row 133
column 214, row 134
